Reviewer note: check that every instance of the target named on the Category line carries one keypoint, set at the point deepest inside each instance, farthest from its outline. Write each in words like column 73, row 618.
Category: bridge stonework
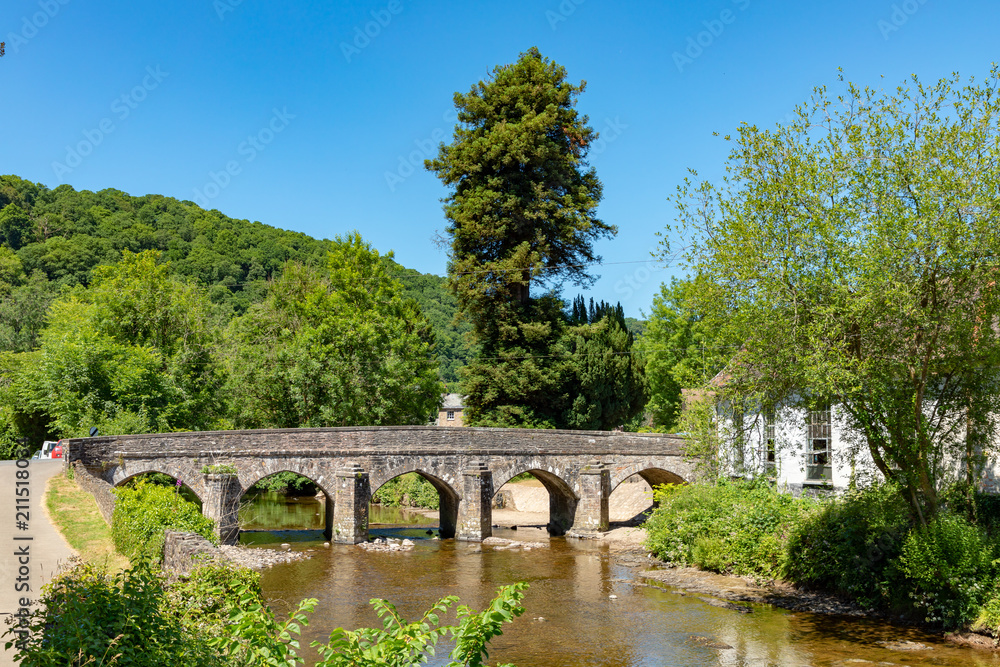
column 467, row 466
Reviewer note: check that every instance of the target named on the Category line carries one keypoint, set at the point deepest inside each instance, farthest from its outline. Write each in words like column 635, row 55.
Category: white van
column 51, row 449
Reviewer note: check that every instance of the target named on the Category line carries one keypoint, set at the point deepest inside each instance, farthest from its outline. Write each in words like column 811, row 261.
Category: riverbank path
column 47, row 550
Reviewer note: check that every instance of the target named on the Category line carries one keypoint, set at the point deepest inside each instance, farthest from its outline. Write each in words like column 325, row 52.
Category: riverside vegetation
column 217, row 616
column 863, row 546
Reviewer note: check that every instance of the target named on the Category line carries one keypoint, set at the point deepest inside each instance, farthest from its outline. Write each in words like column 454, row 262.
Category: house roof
column 452, row 402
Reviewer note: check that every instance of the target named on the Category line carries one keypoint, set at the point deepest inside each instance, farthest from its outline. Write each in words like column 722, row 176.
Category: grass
column 75, row 515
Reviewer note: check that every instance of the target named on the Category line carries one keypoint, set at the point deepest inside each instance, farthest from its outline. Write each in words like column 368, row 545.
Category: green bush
column 988, row 618
column 401, row 643
column 86, row 617
column 948, row 566
column 849, row 545
column 735, row 527
column 409, row 490
column 144, row 510
column 205, row 599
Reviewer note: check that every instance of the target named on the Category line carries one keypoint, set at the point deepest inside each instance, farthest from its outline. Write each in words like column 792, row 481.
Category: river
column 571, row 618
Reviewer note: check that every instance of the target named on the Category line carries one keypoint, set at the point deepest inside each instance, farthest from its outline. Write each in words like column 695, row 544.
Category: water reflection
column 570, row 619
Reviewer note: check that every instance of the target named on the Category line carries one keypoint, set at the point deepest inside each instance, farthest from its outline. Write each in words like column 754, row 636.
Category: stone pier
column 475, row 512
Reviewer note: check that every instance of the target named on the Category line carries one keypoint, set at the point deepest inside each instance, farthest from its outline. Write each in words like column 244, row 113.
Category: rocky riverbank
column 261, row 558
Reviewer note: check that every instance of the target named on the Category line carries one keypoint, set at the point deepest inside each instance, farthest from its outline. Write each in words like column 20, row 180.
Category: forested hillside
column 52, row 239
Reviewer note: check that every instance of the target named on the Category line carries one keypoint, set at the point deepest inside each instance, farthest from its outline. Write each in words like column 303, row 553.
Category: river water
column 571, row 618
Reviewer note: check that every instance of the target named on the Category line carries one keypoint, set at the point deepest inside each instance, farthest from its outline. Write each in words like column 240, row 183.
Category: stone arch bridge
column 465, row 465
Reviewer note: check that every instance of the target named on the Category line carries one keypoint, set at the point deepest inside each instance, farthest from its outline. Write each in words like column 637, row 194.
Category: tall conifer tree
column 522, row 217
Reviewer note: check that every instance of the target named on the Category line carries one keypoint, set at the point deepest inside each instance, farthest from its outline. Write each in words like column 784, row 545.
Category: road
column 46, row 549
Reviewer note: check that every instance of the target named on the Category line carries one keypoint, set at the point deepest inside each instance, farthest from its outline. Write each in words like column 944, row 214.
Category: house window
column 450, row 416
column 819, row 466
column 768, row 453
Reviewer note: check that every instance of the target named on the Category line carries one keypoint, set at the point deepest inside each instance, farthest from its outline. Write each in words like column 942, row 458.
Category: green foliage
column 522, row 214
column 252, row 636
column 850, row 546
column 144, row 510
column 205, row 599
column 948, row 566
column 219, row 469
column 286, row 482
column 87, row 617
column 16, row 228
column 453, row 344
column 608, row 382
column 682, row 351
column 867, row 280
column 130, row 354
column 22, row 311
column 187, row 273
column 400, row 643
column 333, row 348
column 737, row 527
column 409, row 490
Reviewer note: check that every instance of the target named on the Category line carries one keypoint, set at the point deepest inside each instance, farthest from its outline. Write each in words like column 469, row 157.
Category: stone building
column 450, row 413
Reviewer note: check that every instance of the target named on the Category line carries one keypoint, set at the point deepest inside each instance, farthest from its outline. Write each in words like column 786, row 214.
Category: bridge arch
column 188, row 476
column 250, row 475
column 447, row 495
column 562, row 498
column 653, row 474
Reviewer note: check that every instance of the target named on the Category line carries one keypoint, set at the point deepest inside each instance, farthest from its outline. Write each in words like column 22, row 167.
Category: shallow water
column 570, row 584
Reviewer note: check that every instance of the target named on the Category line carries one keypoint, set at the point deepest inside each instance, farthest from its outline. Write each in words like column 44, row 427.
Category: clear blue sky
column 161, row 95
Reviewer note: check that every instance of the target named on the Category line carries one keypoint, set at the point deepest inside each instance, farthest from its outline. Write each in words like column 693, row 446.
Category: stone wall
column 97, row 487
column 183, row 551
column 349, row 442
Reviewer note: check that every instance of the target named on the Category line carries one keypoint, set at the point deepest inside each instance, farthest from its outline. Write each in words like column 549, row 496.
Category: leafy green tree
column 11, row 270
column 22, row 313
column 608, row 382
column 682, row 350
column 521, row 213
column 15, row 226
column 333, row 348
column 852, row 252
column 130, row 354
column 523, row 206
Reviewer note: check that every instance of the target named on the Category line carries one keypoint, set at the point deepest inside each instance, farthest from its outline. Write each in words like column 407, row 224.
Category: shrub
column 848, row 546
column 400, row 644
column 87, row 617
column 143, row 511
column 732, row 527
column 409, row 490
column 988, row 618
column 205, row 599
column 948, row 566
